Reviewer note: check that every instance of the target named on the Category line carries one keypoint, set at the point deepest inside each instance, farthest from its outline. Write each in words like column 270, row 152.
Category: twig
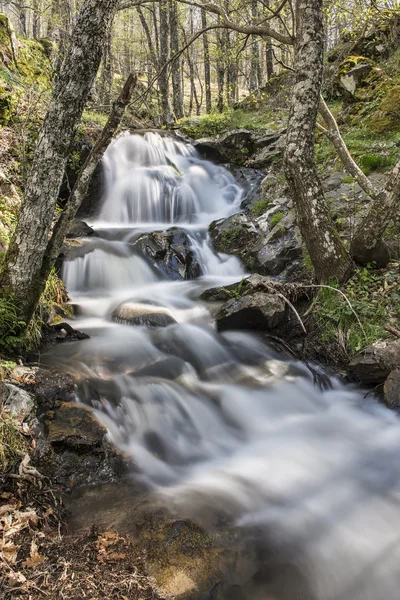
column 392, row 330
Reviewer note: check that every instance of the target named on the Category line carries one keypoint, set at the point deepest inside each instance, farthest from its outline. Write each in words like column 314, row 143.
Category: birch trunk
column 207, row 68
column 328, row 255
column 21, row 275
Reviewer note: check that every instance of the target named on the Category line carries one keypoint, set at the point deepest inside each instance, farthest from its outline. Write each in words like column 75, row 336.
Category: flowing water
column 218, row 423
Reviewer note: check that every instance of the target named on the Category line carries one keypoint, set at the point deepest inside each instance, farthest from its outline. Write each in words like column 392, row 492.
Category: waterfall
column 220, row 423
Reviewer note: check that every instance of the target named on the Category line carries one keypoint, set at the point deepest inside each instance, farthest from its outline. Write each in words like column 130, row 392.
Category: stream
column 220, row 424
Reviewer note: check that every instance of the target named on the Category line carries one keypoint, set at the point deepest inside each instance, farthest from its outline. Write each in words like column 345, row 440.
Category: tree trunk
column 221, row 69
column 269, row 59
column 207, row 68
column 255, row 53
column 83, row 181
column 177, row 96
column 21, row 275
column 107, row 70
column 367, row 244
column 328, row 255
column 167, row 117
column 35, row 19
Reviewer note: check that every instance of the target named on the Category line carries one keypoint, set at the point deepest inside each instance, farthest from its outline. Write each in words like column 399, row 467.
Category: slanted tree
column 21, row 273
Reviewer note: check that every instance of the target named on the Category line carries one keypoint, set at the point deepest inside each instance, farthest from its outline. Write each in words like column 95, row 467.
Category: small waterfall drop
column 220, row 424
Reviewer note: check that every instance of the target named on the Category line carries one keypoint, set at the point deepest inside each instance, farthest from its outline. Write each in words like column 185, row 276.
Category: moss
column 276, row 218
column 376, row 162
column 34, row 64
column 261, row 206
column 229, row 238
column 387, row 115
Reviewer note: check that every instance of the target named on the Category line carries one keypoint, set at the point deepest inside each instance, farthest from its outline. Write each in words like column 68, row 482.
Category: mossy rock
column 387, row 116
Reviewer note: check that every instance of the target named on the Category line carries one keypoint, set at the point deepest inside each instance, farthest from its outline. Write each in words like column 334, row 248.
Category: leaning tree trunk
column 328, row 255
column 21, row 276
column 82, row 183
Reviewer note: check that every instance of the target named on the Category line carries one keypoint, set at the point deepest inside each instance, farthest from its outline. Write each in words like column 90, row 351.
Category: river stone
column 73, row 425
column 17, row 402
column 237, row 235
column 375, row 362
column 257, row 311
column 141, row 314
column 79, row 229
column 171, row 253
column 391, row 389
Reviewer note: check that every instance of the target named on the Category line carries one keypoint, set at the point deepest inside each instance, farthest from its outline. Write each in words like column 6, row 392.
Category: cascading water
column 218, row 423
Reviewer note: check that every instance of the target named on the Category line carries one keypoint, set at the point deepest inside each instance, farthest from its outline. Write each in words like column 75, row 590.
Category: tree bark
column 163, row 83
column 21, row 275
column 207, row 68
column 177, row 95
column 255, row 52
column 328, row 255
column 367, row 245
column 83, row 181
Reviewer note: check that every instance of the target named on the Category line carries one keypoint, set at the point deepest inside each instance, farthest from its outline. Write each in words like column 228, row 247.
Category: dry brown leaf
column 6, row 508
column 10, row 552
column 35, row 558
column 16, row 579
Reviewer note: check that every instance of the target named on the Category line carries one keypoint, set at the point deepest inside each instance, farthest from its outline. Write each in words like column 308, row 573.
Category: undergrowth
column 15, row 337
column 374, row 297
column 12, row 443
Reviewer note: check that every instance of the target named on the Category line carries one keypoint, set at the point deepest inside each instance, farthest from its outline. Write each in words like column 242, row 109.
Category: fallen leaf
column 35, row 558
column 15, row 579
column 10, row 551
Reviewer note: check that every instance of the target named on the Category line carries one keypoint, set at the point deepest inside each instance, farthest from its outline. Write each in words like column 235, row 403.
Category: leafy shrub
column 207, row 125
column 10, row 325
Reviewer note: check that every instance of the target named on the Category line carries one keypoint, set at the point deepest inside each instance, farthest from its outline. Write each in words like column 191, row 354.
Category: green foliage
column 276, row 218
column 90, row 117
column 10, row 326
column 348, row 179
column 239, row 290
column 375, row 299
column 229, row 238
column 261, row 206
column 376, row 162
column 12, row 443
column 206, row 125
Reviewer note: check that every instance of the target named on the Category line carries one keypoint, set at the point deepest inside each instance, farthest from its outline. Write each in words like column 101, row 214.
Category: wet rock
column 91, row 202
column 171, row 253
column 142, row 314
column 281, row 247
column 17, row 402
column 236, row 235
column 80, row 229
column 51, row 386
column 250, row 181
column 391, row 389
column 374, row 363
column 257, row 311
column 73, row 425
column 261, row 250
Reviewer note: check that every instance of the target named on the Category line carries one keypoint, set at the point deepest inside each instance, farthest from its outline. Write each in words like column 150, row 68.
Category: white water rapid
column 220, row 423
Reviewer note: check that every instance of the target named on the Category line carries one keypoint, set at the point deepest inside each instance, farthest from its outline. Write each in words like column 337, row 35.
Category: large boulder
column 171, row 253
column 240, row 146
column 391, row 389
column 134, row 313
column 237, row 235
column 374, row 363
column 257, row 311
column 262, row 246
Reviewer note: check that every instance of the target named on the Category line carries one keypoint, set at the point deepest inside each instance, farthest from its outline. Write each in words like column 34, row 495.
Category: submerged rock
column 142, row 314
column 257, row 311
column 374, row 363
column 171, row 253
